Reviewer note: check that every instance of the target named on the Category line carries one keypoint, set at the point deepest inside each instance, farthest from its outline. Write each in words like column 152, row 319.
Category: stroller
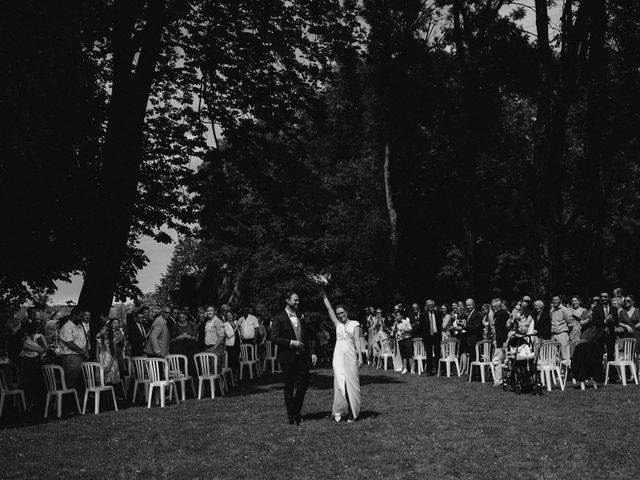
column 520, row 373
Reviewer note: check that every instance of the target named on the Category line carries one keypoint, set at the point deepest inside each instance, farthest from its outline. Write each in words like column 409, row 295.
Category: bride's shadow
column 323, row 381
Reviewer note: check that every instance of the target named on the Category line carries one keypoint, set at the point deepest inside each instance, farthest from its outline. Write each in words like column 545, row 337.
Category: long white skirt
column 346, row 380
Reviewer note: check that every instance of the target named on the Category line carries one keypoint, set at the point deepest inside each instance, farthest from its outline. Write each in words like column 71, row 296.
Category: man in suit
column 604, row 318
column 431, row 334
column 294, row 355
column 137, row 334
column 474, row 327
column 159, row 338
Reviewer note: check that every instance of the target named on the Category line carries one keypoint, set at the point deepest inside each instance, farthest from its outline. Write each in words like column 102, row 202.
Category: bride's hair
column 342, row 307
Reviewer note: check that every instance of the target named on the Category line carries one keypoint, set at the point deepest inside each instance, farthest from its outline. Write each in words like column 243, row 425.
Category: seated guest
column 159, row 337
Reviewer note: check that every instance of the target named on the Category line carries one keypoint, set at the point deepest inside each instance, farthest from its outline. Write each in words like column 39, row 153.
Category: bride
column 347, row 358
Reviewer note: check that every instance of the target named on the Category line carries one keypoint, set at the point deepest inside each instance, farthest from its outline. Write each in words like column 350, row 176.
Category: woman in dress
column 577, row 315
column 347, row 358
column 232, row 342
column 106, row 355
column 183, row 339
column 404, row 334
column 629, row 317
column 447, row 322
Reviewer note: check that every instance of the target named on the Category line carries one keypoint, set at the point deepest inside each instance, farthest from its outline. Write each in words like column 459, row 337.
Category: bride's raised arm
column 327, row 304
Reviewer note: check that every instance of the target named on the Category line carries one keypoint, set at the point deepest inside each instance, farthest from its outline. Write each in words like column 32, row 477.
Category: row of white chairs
column 549, row 360
column 151, row 375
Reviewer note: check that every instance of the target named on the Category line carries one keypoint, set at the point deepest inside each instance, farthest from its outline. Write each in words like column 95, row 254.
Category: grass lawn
column 411, row 427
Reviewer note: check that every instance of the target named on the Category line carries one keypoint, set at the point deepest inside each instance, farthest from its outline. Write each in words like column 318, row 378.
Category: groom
column 294, row 355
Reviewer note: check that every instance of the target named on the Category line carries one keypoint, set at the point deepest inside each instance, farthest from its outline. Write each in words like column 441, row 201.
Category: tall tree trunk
column 122, row 155
column 393, row 223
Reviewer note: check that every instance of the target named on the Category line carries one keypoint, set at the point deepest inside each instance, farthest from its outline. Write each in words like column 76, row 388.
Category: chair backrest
column 418, row 348
column 54, row 378
column 247, row 352
column 158, row 369
column 12, row 373
column 385, row 347
column 93, row 374
column 206, row 364
column 139, row 368
column 572, row 345
column 271, row 349
column 483, row 350
column 625, row 349
column 178, row 365
column 449, row 348
column 549, row 354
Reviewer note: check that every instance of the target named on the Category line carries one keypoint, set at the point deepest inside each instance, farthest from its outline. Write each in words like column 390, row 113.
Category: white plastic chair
column 158, row 372
column 93, row 374
column 484, row 356
column 16, row 393
column 249, row 359
column 128, row 378
column 56, row 388
column 449, row 353
column 271, row 355
column 385, row 353
column 179, row 371
column 225, row 371
column 419, row 354
column 207, row 370
column 140, row 377
column 549, row 364
column 624, row 357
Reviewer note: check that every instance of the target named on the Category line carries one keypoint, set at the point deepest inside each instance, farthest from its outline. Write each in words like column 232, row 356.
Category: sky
column 160, row 254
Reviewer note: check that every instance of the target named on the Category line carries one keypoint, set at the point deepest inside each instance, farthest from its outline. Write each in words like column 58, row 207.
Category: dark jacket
column 282, row 333
column 598, row 322
column 136, row 339
column 500, row 319
column 542, row 323
column 426, row 324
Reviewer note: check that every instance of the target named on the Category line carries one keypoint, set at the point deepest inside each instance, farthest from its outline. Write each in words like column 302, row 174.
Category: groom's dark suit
column 294, row 361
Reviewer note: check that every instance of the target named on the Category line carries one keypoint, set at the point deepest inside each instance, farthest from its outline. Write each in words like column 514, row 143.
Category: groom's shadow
column 326, row 415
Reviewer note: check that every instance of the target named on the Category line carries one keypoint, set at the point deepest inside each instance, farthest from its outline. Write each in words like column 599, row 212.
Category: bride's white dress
column 346, row 380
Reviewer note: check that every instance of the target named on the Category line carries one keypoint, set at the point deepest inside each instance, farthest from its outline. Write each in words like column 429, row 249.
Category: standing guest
column 86, row 325
column 586, row 362
column 604, row 318
column 560, row 318
column 146, row 314
column 487, row 321
column 500, row 320
column 183, row 336
column 404, row 334
column 200, row 323
column 214, row 333
column 432, row 335
column 106, row 355
column 232, row 341
column 119, row 343
column 542, row 320
column 474, row 327
column 287, row 331
column 137, row 334
column 73, row 348
column 249, row 326
column 629, row 317
column 33, row 347
column 159, row 336
column 447, row 321
column 577, row 315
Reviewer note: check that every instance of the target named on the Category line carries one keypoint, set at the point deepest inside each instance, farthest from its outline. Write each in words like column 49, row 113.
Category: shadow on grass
column 325, row 415
column 325, row 382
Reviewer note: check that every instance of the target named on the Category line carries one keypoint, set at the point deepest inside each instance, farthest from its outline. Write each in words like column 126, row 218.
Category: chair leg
column 84, row 403
column 59, row 404
column 547, row 374
column 199, row 388
column 135, row 391
column 634, row 372
column 2, row 397
column 149, row 397
column 623, row 371
column 162, row 396
column 606, row 376
column 113, row 394
column 212, row 387
column 482, row 378
column 241, row 365
column 470, row 372
column 24, row 403
column 46, row 405
column 96, row 396
column 193, row 387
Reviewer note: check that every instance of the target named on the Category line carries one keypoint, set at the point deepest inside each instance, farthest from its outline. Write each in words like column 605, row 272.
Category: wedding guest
column 146, row 314
column 500, row 321
column 232, row 341
column 604, row 318
column 586, row 362
column 249, row 326
column 629, row 317
column 137, row 334
column 200, row 323
column 447, row 322
column 183, row 337
column 542, row 319
column 432, row 335
column 560, row 318
column 33, row 347
column 73, row 348
column 577, row 315
column 119, row 344
column 473, row 327
column 106, row 355
column 214, row 333
column 404, row 334
column 159, row 336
